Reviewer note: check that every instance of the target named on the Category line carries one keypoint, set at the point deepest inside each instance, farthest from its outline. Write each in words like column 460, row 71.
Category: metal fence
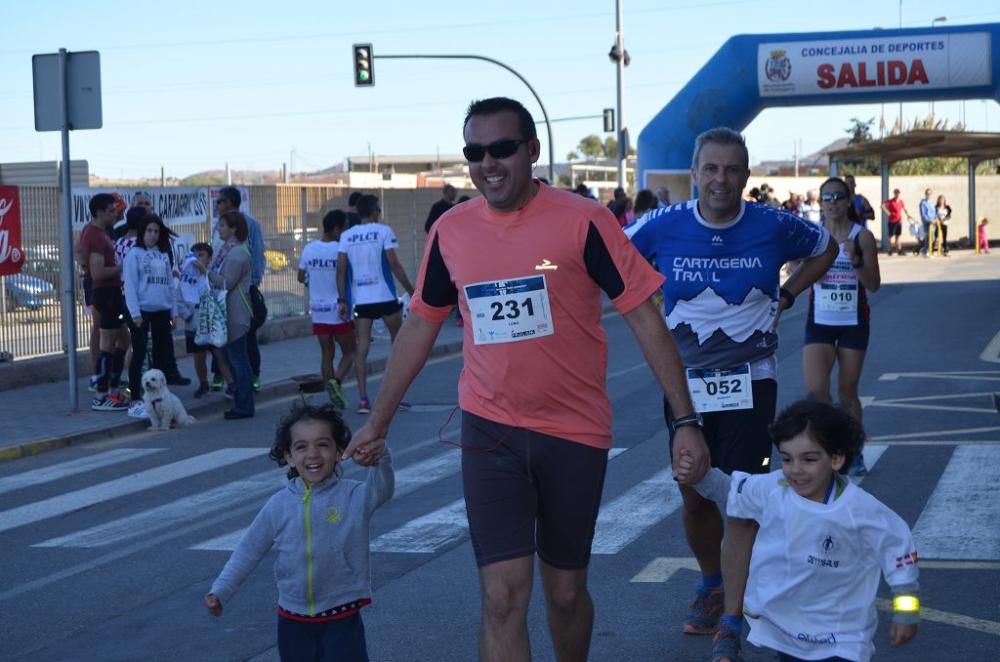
column 289, row 215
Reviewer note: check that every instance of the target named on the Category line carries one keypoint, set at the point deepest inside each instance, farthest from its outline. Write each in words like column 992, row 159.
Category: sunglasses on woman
column 833, row 196
column 500, row 149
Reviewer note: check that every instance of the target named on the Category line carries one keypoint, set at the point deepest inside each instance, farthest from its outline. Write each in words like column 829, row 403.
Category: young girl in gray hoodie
column 150, row 297
column 319, row 524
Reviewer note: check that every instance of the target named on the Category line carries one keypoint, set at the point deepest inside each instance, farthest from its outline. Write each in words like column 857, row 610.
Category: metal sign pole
column 68, row 294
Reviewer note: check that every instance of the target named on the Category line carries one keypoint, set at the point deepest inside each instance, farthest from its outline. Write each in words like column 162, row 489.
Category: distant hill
column 218, row 177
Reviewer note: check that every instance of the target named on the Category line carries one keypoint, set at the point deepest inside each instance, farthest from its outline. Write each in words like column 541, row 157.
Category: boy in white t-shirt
column 318, row 270
column 821, row 545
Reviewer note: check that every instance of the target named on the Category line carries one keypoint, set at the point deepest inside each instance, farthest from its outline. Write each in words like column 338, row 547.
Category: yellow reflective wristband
column 906, row 603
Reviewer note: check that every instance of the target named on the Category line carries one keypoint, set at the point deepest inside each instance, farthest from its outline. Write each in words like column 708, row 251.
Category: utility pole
column 620, row 71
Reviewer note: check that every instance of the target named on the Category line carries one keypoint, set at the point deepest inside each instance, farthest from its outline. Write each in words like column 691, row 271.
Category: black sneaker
column 178, row 380
column 109, row 402
column 202, row 390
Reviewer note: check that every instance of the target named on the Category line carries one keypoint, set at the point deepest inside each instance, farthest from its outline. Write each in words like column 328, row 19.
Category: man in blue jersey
column 722, row 258
column 368, row 253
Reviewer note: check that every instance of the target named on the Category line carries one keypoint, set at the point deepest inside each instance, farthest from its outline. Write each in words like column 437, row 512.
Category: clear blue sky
column 193, row 85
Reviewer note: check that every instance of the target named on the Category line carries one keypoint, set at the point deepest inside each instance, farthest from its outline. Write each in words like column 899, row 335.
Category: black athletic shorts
column 110, row 303
column 527, row 492
column 895, row 229
column 88, row 291
column 374, row 311
column 738, row 439
column 847, row 337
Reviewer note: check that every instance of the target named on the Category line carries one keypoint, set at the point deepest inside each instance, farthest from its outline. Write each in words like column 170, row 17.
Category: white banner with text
column 176, row 205
column 850, row 66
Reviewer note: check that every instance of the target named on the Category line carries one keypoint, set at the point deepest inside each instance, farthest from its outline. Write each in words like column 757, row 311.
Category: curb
column 268, row 392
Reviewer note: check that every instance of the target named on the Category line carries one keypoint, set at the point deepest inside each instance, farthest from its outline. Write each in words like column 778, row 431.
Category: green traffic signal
column 364, row 71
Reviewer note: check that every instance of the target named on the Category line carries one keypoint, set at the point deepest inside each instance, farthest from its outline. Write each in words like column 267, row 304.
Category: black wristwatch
column 693, row 420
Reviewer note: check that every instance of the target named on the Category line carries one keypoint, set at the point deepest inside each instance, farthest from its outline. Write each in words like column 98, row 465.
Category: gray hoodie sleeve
column 380, row 483
column 715, row 486
column 253, row 546
column 131, row 276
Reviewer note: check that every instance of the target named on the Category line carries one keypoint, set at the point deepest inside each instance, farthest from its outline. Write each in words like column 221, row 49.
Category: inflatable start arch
column 753, row 72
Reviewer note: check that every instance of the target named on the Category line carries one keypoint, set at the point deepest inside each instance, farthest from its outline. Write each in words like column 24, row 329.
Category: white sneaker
column 137, row 410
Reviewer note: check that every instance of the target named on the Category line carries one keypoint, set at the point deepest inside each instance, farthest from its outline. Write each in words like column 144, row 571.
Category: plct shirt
column 319, row 261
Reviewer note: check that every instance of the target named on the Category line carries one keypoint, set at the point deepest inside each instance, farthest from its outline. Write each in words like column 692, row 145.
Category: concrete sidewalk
column 37, row 419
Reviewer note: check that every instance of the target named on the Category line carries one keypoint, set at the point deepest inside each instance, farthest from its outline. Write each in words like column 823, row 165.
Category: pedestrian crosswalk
column 959, row 521
column 119, row 487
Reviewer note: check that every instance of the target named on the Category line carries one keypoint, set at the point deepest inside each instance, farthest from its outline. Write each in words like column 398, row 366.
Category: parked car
column 275, row 260
column 24, row 291
column 45, row 268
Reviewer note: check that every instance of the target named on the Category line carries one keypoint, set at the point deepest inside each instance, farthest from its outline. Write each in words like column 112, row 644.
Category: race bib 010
column 834, row 298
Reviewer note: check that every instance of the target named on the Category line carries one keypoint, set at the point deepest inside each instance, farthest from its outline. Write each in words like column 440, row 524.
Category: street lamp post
column 620, row 70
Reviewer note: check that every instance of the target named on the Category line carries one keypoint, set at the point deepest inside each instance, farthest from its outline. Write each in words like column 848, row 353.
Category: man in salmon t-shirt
column 526, row 264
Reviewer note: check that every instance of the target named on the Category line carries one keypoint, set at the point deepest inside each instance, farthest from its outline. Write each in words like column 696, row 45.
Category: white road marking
column 978, row 375
column 991, row 353
column 872, row 454
column 426, row 534
column 961, row 519
column 948, row 396
column 930, row 407
column 73, row 467
column 225, row 543
column 949, row 618
column 171, row 514
column 625, row 371
column 144, row 480
column 437, row 529
column 662, row 568
column 943, row 442
column 935, row 433
column 626, row 517
column 408, row 480
column 931, row 564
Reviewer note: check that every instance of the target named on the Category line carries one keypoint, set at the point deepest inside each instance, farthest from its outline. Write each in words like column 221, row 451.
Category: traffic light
column 609, row 120
column 364, row 65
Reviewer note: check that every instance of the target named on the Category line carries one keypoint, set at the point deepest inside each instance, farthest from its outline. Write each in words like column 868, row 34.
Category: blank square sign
column 83, row 87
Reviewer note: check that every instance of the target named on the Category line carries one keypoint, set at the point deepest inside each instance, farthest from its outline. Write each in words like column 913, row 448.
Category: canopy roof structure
column 924, row 143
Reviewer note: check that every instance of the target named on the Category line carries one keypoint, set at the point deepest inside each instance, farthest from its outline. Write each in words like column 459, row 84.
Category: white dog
column 163, row 407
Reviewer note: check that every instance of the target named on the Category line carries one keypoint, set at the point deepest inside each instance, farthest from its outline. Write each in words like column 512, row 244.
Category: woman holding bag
column 230, row 271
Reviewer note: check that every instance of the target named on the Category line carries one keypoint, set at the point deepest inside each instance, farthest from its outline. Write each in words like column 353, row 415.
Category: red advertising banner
column 11, row 253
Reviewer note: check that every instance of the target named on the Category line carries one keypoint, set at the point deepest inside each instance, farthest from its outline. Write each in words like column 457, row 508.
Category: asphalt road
column 107, row 549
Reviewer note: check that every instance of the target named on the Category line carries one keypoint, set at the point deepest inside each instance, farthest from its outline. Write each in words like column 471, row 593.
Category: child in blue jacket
column 319, row 525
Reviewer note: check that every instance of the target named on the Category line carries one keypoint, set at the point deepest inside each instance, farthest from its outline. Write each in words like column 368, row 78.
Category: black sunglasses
column 500, row 149
column 834, row 197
